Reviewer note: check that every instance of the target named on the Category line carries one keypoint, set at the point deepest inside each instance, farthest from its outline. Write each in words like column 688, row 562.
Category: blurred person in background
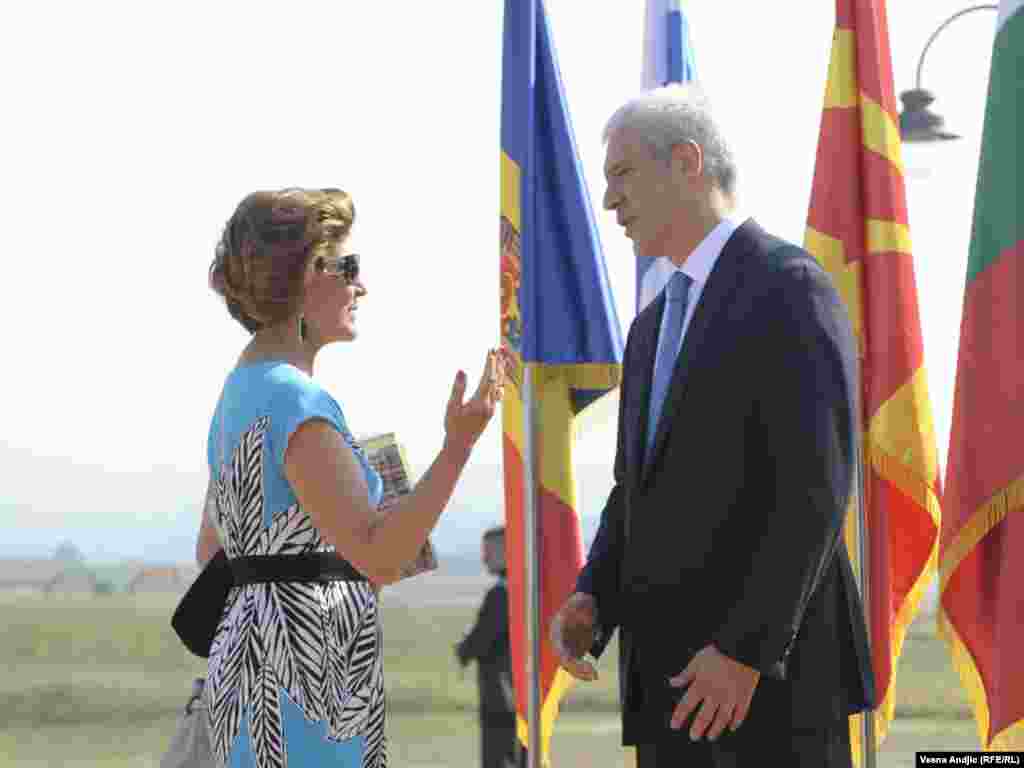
column 295, row 670
column 487, row 643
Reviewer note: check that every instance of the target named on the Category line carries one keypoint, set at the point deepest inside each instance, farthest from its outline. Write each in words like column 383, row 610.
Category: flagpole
column 867, row 742
column 531, row 541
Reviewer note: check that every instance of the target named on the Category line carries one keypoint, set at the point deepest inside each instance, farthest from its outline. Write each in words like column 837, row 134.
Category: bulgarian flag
column 558, row 318
column 981, row 565
column 857, row 228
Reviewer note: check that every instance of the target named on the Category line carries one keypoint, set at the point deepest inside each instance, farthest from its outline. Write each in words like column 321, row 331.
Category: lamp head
column 917, row 122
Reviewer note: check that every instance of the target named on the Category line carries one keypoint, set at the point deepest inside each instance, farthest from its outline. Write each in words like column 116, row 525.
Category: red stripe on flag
column 902, row 536
column 560, row 554
column 891, row 323
column 874, row 59
column 845, row 14
column 883, row 192
column 835, row 196
column 860, row 184
column 874, row 69
column 561, row 558
column 515, row 560
column 988, row 419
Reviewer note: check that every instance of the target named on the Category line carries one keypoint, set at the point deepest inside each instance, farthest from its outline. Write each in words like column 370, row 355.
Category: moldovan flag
column 668, row 58
column 857, row 229
column 981, row 567
column 558, row 316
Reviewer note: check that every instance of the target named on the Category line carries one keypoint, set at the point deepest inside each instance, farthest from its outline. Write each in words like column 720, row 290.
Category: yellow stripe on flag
column 841, row 90
column 510, row 191
column 553, row 387
column 548, row 713
column 901, row 449
column 552, row 390
column 988, row 516
column 968, row 671
column 592, row 375
column 852, row 536
column 1010, row 739
column 879, row 132
column 512, row 420
column 884, row 236
column 555, row 439
column 903, row 428
column 831, row 254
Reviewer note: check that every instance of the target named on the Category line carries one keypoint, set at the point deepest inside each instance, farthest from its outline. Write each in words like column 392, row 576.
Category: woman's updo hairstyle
column 263, row 254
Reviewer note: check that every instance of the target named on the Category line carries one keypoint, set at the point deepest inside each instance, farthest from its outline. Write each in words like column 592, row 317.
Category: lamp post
column 917, row 122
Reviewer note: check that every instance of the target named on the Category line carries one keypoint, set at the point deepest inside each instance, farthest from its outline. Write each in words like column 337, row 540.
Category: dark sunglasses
column 345, row 267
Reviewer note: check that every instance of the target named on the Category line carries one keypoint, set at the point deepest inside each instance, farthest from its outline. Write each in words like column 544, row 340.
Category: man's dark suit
column 731, row 535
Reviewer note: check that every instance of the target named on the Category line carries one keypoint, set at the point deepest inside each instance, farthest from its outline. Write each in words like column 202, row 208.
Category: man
column 488, row 643
column 720, row 556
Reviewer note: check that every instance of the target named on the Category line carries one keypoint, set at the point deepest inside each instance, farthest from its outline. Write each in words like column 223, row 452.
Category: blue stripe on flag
column 674, row 44
column 564, row 296
column 667, row 32
column 687, row 67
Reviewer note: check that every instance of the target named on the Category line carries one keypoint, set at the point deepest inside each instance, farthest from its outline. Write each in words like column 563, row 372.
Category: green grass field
column 98, row 683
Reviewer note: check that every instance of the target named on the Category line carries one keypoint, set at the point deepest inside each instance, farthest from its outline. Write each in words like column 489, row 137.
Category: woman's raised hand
column 464, row 421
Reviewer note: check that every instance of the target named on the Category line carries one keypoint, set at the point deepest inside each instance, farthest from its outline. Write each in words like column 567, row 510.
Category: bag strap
column 220, row 467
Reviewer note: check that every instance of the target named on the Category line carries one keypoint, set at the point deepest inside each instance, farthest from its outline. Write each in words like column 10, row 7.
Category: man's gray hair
column 675, row 114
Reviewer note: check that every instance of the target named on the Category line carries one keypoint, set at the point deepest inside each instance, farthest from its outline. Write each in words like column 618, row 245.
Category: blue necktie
column 677, row 294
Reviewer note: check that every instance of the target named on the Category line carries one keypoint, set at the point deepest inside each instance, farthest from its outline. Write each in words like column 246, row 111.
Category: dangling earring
column 302, row 329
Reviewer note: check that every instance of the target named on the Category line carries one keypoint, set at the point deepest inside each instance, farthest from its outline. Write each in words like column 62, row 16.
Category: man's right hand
column 465, row 421
column 573, row 630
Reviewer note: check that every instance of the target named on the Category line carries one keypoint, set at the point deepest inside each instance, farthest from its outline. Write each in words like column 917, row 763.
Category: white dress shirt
column 698, row 268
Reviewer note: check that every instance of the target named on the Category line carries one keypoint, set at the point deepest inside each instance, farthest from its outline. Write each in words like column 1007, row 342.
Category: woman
column 295, row 672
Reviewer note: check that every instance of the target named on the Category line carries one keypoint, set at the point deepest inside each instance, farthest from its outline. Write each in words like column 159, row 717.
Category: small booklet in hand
column 387, row 457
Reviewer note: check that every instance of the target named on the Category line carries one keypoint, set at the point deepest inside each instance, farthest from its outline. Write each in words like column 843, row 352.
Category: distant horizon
column 164, row 535
column 185, row 546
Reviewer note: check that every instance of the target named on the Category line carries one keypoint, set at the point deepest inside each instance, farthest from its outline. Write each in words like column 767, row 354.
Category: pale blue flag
column 668, row 58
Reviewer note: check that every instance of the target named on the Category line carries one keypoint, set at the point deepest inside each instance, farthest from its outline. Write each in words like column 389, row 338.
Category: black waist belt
column 314, row 566
column 200, row 611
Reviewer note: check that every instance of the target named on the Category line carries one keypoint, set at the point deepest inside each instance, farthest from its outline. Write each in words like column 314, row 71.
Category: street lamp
column 917, row 122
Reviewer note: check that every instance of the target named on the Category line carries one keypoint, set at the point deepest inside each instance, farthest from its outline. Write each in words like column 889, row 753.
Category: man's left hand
column 458, row 655
column 721, row 687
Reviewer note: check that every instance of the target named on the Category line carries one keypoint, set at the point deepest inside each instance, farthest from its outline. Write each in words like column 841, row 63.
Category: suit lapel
column 721, row 284
column 648, row 326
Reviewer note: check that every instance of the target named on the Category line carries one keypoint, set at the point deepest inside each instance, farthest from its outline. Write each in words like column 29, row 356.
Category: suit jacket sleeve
column 807, row 411
column 601, row 573
column 491, row 619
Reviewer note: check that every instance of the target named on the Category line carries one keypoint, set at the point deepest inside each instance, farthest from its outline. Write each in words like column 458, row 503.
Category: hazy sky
column 133, row 129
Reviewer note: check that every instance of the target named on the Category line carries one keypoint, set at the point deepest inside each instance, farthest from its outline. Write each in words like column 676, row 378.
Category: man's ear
column 688, row 159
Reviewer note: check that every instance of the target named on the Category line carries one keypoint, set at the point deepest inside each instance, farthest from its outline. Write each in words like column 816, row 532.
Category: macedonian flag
column 857, row 228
